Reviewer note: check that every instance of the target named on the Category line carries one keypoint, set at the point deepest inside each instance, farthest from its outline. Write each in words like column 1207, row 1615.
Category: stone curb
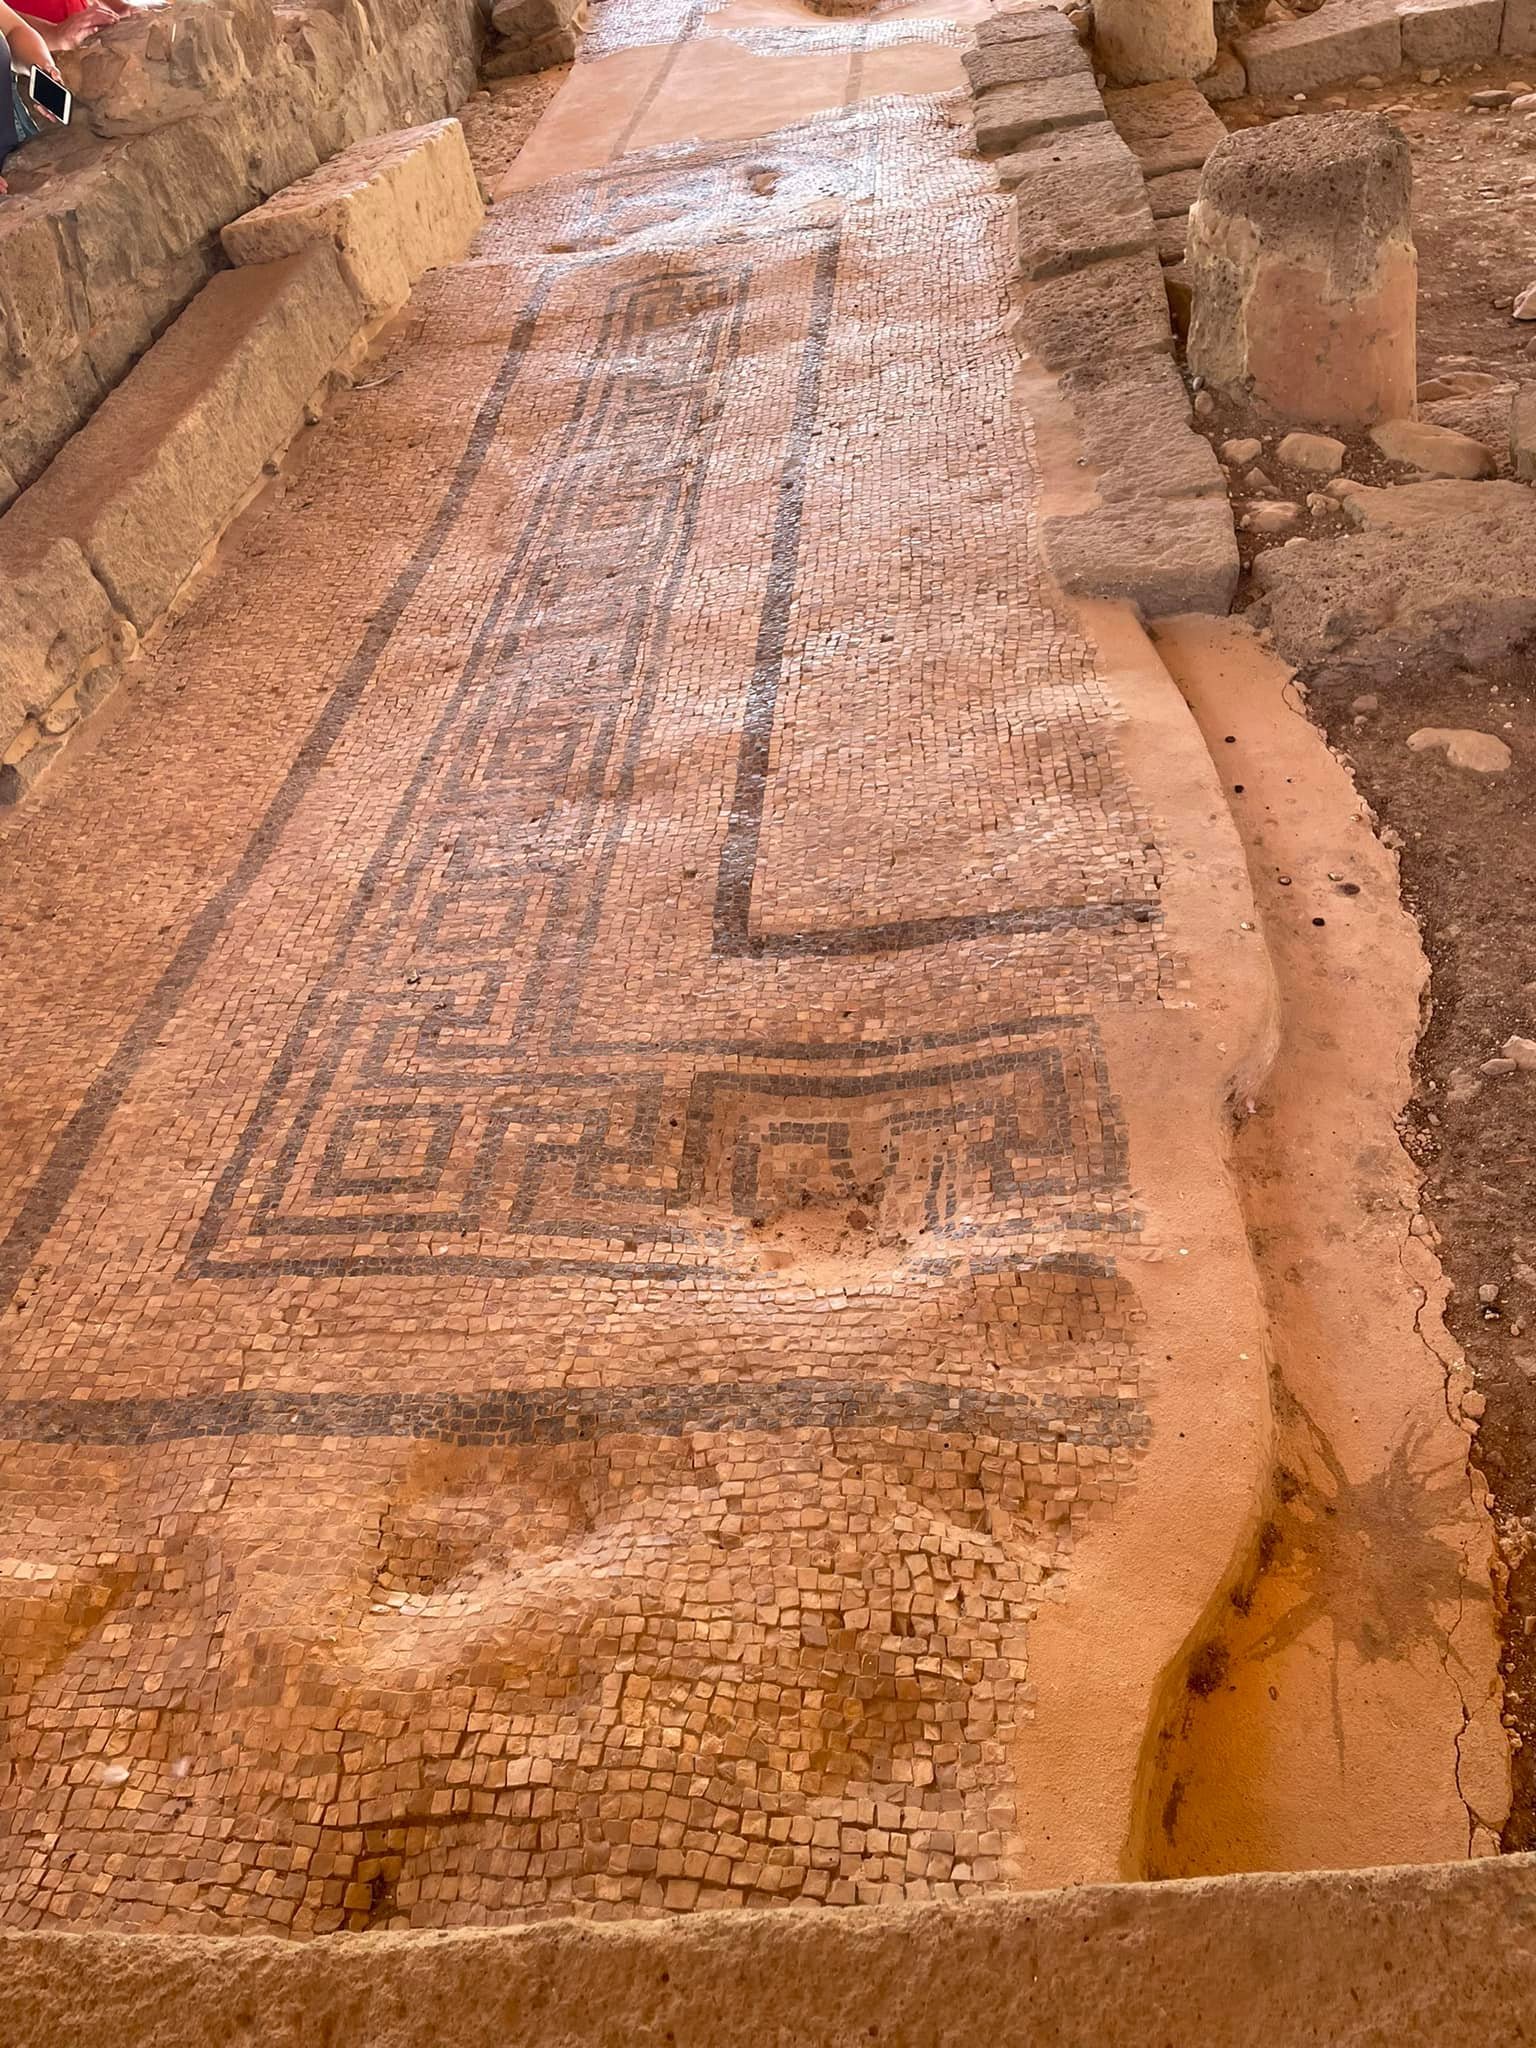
column 98, row 550
column 1091, row 313
column 1439, row 1954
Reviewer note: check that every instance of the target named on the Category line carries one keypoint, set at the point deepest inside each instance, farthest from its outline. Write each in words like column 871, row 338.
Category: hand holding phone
column 49, row 96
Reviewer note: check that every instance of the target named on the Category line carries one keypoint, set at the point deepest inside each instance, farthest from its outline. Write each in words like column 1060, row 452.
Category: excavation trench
column 1338, row 1705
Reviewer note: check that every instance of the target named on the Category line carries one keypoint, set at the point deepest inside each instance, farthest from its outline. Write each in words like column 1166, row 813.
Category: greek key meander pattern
column 554, row 1365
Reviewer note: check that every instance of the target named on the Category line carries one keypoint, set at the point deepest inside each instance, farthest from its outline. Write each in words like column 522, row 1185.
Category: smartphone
column 48, row 94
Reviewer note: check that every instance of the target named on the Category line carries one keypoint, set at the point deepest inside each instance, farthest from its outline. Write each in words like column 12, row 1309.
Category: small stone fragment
column 1369, row 701
column 1464, row 748
column 1496, row 1067
column 1522, row 1051
column 1493, row 96
column 1241, row 452
column 1270, row 518
column 1319, row 453
column 1525, row 304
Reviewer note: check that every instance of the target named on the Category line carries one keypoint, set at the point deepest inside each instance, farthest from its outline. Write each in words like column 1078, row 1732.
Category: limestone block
column 1305, row 274
column 1022, row 25
column 153, row 478
column 1346, row 39
column 1517, row 38
column 1450, row 32
column 1137, row 440
column 55, row 618
column 1167, row 127
column 1173, row 239
column 1141, row 41
column 536, row 34
column 1166, row 557
column 1106, row 313
column 1434, row 451
column 1522, row 432
column 1032, row 60
column 1079, row 199
column 1173, row 193
column 391, row 208
column 1010, row 114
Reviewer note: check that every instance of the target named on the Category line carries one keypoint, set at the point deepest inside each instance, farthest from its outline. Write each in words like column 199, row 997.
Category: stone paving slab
column 1173, row 193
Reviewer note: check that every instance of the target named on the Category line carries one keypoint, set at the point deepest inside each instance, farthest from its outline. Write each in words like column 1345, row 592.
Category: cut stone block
column 1346, row 39
column 1226, row 79
column 1173, row 239
column 1166, row 127
column 1011, row 114
column 1079, row 199
column 1522, row 432
column 391, row 208
column 1517, row 38
column 1023, row 25
column 1032, row 60
column 1164, row 556
column 1448, row 32
column 153, row 478
column 1136, row 436
column 1100, row 315
column 55, row 619
column 1175, row 192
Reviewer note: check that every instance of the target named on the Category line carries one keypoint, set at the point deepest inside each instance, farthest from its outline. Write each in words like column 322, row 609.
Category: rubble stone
column 1320, row 454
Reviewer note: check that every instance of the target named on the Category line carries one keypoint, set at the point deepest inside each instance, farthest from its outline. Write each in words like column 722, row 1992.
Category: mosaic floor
column 563, row 1194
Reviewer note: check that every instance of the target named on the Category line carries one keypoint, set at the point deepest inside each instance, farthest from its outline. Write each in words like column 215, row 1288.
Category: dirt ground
column 1467, row 842
column 498, row 119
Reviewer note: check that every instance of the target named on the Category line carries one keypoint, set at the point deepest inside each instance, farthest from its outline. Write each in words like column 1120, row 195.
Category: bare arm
column 27, row 46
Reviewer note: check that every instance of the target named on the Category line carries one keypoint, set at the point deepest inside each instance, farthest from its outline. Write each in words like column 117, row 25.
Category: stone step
column 392, row 208
column 97, row 550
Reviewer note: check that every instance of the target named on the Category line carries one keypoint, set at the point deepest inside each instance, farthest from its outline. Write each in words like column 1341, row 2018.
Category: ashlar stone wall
column 186, row 120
